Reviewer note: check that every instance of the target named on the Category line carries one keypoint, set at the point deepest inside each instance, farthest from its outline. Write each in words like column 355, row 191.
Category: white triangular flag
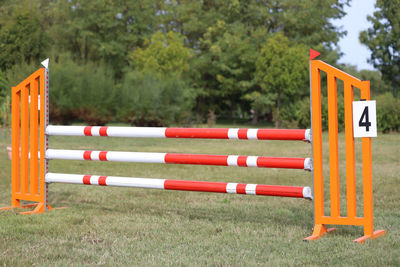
column 45, row 63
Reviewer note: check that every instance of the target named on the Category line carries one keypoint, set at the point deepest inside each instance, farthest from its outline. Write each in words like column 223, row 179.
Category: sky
column 354, row 22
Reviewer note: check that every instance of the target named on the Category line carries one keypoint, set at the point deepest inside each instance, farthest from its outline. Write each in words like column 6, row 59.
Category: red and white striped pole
column 175, row 158
column 162, row 132
column 183, row 185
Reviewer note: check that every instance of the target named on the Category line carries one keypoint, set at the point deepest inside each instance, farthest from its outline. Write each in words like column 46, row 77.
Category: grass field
column 126, row 226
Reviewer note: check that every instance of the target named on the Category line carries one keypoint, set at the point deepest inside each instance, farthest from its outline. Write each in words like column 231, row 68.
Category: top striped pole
column 163, row 132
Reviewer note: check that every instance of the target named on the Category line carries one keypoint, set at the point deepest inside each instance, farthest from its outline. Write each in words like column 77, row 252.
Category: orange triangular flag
column 314, row 54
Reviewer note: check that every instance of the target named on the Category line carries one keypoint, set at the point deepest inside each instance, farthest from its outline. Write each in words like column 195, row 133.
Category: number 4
column 365, row 115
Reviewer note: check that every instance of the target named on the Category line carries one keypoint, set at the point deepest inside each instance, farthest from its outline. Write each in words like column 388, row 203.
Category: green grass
column 126, row 226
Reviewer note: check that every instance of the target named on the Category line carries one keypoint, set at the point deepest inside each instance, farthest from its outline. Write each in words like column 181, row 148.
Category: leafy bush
column 86, row 93
column 17, row 73
column 11, row 77
column 5, row 111
column 154, row 99
column 388, row 113
column 5, row 102
column 297, row 115
column 3, row 85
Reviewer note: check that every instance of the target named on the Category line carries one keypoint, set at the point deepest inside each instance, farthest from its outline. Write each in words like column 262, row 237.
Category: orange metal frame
column 28, row 165
column 351, row 218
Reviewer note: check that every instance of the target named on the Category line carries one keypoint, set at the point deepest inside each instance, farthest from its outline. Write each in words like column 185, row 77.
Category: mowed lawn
column 129, row 226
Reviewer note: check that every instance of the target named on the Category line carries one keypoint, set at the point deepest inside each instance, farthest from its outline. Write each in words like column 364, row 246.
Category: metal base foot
column 375, row 234
column 22, row 206
column 39, row 208
column 319, row 230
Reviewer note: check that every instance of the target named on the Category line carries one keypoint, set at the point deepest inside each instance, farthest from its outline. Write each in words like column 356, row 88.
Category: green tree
column 306, row 21
column 310, row 22
column 212, row 45
column 164, row 53
column 103, row 30
column 156, row 91
column 383, row 39
column 281, row 72
column 22, row 38
column 228, row 66
column 228, row 35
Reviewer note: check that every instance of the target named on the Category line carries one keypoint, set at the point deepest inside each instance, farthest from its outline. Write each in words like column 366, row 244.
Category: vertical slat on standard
column 34, row 137
column 333, row 146
column 42, row 168
column 25, row 139
column 367, row 172
column 317, row 143
column 15, row 143
column 350, row 158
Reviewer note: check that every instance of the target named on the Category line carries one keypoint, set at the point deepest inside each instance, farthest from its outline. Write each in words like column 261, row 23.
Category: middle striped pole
column 177, row 158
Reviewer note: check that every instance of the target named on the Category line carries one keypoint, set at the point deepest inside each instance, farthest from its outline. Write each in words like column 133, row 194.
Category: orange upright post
column 350, row 83
column 28, row 163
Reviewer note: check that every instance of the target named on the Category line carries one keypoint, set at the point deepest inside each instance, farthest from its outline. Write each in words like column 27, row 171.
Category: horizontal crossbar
column 175, row 158
column 215, row 187
column 162, row 132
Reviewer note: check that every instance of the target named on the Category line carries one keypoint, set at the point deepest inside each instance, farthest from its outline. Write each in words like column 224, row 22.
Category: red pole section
column 235, row 188
column 162, row 132
column 233, row 133
column 182, row 185
column 175, row 158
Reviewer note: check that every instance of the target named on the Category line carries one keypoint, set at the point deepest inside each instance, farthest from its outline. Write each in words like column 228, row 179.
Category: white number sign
column 364, row 118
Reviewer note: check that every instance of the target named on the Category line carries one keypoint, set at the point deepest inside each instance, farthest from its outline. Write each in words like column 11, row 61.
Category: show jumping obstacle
column 31, row 178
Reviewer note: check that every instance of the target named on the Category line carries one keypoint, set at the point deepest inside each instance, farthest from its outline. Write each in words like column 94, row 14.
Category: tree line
column 157, row 62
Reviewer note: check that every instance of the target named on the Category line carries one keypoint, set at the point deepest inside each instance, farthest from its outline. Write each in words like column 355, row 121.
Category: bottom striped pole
column 216, row 187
